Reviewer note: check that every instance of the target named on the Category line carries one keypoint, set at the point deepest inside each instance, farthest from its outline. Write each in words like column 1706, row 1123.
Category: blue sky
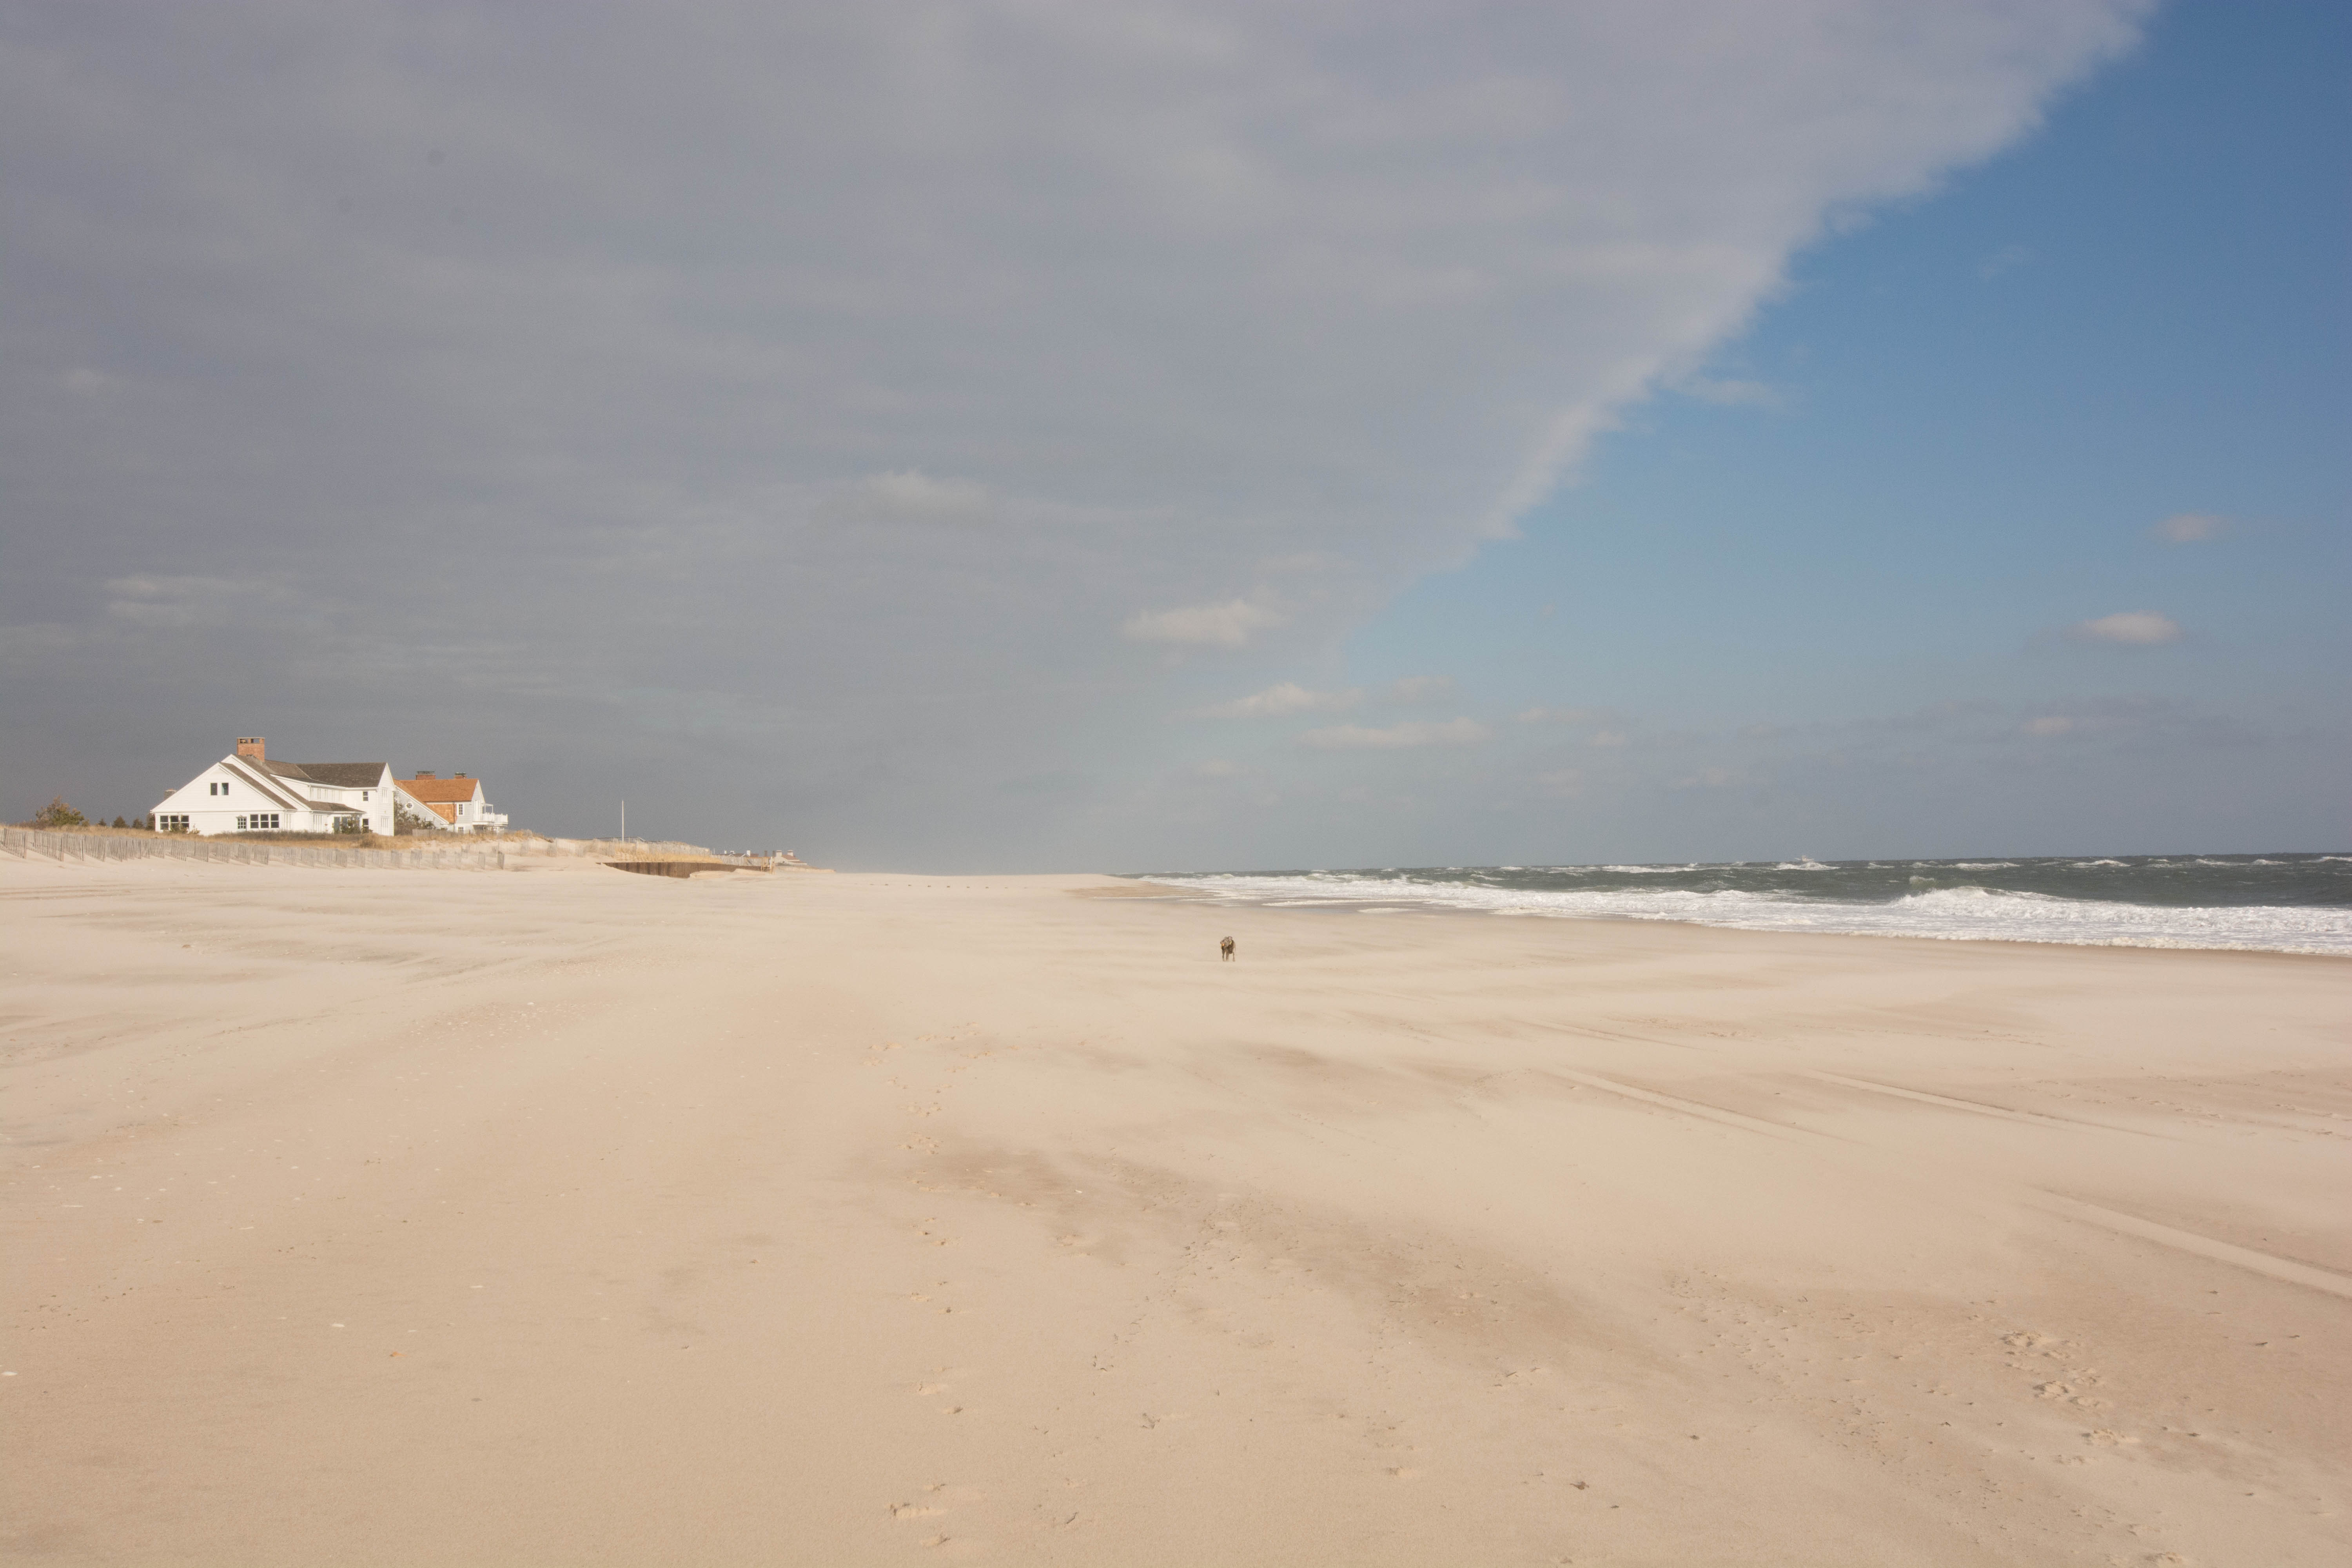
column 1959, row 428
column 1126, row 434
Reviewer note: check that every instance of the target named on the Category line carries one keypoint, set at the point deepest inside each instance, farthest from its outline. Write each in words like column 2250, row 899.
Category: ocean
column 2273, row 904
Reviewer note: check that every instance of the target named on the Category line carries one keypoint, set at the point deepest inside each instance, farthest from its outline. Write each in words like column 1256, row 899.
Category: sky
column 1121, row 436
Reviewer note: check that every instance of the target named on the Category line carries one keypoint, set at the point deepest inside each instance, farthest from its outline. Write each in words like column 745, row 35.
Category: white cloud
column 1228, row 625
column 1422, row 688
column 2049, row 725
column 1281, row 701
column 2191, row 527
column 1358, row 737
column 2131, row 628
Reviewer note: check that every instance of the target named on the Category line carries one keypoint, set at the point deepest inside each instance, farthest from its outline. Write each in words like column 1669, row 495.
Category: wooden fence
column 443, row 856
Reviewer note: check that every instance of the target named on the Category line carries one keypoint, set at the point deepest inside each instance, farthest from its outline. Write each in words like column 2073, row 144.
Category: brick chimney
column 250, row 746
column 457, row 776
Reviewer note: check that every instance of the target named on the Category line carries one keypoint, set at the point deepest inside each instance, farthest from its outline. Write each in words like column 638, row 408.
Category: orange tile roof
column 432, row 789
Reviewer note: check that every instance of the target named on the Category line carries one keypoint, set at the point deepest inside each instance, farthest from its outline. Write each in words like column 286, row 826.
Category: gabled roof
column 340, row 776
column 432, row 789
column 271, row 789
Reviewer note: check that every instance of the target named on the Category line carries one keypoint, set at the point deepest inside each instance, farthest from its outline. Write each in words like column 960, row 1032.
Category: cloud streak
column 1395, row 737
column 1281, row 702
column 2126, row 628
column 1230, row 624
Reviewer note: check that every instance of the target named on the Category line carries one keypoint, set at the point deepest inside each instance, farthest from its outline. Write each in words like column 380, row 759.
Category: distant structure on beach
column 456, row 801
column 246, row 792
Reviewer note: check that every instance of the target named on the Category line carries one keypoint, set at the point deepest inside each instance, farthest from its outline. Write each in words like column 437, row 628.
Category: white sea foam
column 1950, row 914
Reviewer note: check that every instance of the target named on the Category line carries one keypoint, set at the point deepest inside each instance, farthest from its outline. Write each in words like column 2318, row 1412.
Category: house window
column 171, row 823
column 216, row 789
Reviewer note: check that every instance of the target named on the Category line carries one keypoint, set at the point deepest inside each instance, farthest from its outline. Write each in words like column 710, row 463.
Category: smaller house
column 246, row 792
column 458, row 803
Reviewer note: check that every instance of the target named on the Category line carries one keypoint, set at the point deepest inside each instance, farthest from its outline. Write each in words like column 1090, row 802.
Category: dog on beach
column 1226, row 948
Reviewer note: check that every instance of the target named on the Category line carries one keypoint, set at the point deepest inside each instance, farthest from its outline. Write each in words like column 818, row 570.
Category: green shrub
column 57, row 814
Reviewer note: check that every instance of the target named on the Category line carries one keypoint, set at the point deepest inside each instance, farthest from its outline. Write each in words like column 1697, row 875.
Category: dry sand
column 572, row 1217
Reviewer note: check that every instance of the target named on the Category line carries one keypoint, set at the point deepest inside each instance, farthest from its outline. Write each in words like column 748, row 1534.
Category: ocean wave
column 1964, row 913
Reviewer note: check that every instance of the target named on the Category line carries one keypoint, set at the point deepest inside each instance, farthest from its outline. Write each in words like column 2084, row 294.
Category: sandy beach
column 563, row 1215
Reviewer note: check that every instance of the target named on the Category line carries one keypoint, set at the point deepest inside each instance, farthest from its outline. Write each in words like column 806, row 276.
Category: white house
column 457, row 803
column 245, row 791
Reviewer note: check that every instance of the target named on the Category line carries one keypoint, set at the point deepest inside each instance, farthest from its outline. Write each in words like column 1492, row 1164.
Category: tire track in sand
column 2305, row 1274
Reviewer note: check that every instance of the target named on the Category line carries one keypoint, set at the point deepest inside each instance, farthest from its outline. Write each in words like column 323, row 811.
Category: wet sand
column 566, row 1216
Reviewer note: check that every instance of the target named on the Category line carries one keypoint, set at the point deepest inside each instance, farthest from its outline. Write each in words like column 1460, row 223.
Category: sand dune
column 569, row 1216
